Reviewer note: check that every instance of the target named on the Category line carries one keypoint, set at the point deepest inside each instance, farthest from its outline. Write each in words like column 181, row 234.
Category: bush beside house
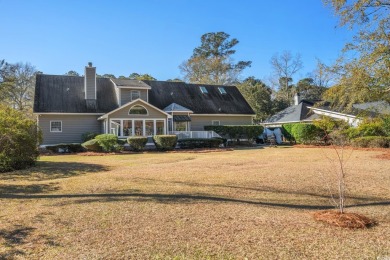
column 137, row 143
column 165, row 142
column 302, row 133
column 19, row 140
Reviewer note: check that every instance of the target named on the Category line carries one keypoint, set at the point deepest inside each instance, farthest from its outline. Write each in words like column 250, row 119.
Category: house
column 354, row 116
column 68, row 106
column 299, row 112
column 304, row 111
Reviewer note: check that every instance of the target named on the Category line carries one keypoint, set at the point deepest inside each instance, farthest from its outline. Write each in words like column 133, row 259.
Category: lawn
column 253, row 203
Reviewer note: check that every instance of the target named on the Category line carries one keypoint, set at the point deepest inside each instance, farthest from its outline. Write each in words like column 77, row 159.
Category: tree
column 17, row 85
column 284, row 67
column 18, row 140
column 72, row 73
column 175, row 80
column 365, row 76
column 138, row 76
column 111, row 76
column 322, row 75
column 212, row 63
column 258, row 96
column 309, row 90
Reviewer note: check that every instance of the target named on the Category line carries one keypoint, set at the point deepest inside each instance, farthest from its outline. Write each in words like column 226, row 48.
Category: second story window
column 134, row 94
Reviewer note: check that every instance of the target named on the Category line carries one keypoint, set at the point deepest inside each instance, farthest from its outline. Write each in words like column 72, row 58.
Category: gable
column 123, row 112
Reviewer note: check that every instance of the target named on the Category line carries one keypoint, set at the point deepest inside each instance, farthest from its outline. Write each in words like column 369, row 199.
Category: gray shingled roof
column 164, row 93
column 295, row 113
column 65, row 94
column 130, row 83
column 176, row 107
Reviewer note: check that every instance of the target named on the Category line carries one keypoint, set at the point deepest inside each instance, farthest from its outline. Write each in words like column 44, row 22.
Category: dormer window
column 203, row 90
column 135, row 94
column 222, row 90
column 138, row 110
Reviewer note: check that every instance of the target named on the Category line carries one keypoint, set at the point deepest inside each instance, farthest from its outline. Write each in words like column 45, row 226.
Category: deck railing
column 194, row 134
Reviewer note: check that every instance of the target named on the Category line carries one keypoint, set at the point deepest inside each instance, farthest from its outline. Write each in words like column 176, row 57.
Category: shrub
column 66, row 148
column 191, row 143
column 372, row 127
column 137, row 143
column 165, row 142
column 306, row 133
column 92, row 145
column 372, row 141
column 287, row 132
column 107, row 141
column 249, row 132
column 386, row 125
column 88, row 136
column 19, row 140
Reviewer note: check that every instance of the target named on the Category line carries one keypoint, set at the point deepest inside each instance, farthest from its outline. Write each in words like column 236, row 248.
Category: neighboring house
column 354, row 116
column 299, row 112
column 68, row 106
column 304, row 111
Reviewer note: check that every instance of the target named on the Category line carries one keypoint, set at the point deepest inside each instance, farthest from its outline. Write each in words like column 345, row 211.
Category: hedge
column 19, row 140
column 371, row 141
column 107, row 141
column 236, row 131
column 137, row 143
column 66, row 148
column 302, row 133
column 92, row 145
column 165, row 142
column 191, row 143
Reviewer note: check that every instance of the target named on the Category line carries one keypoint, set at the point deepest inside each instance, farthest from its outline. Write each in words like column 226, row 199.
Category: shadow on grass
column 53, row 170
column 173, row 198
column 14, row 238
column 28, row 189
column 18, row 236
column 258, row 189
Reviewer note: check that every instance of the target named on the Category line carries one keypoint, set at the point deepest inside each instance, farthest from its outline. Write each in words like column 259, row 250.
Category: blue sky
column 156, row 36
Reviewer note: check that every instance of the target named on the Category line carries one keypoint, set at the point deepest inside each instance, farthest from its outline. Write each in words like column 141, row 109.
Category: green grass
column 254, row 203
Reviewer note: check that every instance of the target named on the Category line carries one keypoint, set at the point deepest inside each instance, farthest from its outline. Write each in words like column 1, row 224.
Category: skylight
column 203, row 90
column 222, row 90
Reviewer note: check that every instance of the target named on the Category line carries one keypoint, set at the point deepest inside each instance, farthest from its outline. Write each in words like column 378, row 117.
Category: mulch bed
column 197, row 150
column 345, row 220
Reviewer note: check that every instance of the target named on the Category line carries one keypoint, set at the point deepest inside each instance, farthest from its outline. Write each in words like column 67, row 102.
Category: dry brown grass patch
column 345, row 220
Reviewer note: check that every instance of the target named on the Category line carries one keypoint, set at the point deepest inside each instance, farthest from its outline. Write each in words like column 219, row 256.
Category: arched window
column 138, row 110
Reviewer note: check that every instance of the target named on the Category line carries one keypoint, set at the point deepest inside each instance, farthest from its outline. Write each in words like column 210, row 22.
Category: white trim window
column 216, row 122
column 55, row 126
column 135, row 94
